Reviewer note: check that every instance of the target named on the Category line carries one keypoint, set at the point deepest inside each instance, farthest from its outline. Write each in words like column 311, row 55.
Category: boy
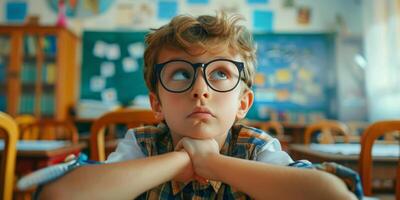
column 199, row 72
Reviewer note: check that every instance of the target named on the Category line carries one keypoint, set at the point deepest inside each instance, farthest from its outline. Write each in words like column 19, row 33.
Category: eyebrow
column 213, row 58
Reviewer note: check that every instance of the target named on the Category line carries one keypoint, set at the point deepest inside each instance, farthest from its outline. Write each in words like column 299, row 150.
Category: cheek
column 228, row 105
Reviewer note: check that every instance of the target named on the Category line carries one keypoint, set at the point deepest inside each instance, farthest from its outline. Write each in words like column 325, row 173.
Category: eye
column 181, row 75
column 218, row 75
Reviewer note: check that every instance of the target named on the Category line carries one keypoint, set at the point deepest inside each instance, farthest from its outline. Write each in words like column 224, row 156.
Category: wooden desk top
column 311, row 152
column 45, row 149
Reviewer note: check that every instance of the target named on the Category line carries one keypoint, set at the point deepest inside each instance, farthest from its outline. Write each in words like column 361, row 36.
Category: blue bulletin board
column 295, row 76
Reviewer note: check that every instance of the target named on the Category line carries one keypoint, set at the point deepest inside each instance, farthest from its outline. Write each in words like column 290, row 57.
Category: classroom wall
column 326, row 15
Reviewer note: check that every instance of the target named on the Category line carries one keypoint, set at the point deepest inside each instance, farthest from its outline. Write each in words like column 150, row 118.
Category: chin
column 201, row 132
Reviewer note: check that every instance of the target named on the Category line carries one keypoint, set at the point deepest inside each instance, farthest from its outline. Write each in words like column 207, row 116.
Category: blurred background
column 335, row 59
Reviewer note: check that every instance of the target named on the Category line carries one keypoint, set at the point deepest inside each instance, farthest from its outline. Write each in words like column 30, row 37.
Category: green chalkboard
column 112, row 66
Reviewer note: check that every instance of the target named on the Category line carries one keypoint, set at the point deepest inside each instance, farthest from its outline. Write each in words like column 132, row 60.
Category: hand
column 187, row 174
column 199, row 151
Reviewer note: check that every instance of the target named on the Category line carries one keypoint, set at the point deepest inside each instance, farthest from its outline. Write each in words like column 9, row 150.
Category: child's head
column 199, row 72
column 205, row 32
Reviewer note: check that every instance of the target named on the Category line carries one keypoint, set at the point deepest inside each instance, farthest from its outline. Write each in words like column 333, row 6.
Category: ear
column 246, row 101
column 156, row 106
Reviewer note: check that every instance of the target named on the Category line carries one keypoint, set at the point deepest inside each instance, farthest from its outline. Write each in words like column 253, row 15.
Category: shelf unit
column 38, row 71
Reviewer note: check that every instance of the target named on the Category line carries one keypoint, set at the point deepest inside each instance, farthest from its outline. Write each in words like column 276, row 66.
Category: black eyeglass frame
column 158, row 68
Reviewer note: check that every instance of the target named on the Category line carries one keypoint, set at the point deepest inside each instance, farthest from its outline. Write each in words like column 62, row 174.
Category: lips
column 201, row 111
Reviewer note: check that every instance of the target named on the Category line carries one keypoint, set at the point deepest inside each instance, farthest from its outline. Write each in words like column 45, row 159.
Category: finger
column 200, row 179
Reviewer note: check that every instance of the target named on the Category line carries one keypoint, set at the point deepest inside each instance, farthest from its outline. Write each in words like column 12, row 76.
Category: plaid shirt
column 241, row 142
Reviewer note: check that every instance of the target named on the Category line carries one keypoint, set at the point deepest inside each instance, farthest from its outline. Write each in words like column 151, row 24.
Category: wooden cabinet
column 38, row 71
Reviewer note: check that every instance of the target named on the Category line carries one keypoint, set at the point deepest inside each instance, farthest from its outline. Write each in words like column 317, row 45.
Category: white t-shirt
column 129, row 149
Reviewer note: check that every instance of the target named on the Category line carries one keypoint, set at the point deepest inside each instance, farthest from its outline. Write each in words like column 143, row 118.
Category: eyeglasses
column 221, row 75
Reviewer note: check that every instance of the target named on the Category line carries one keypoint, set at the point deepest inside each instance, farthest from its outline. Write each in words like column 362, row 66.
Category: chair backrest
column 129, row 117
column 49, row 129
column 270, row 127
column 8, row 129
column 365, row 161
column 24, row 120
column 326, row 127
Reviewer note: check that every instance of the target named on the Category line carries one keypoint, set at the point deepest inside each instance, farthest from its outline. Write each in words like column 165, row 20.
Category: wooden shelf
column 31, row 80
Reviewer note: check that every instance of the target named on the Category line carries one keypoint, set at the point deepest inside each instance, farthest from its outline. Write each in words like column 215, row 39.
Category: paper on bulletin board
column 283, row 76
column 282, row 95
column 259, row 79
column 299, row 98
column 136, row 50
column 262, row 20
column 107, row 69
column 130, row 64
column 100, row 49
column 305, row 75
column 97, row 83
column 113, row 52
column 167, row 9
column 109, row 95
column 265, row 95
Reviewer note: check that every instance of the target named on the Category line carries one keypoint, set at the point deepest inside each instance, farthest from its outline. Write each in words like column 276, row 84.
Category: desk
column 384, row 169
column 33, row 155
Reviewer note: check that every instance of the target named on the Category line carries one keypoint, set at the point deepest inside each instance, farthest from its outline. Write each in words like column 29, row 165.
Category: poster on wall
column 16, row 11
column 167, row 10
column 263, row 21
column 197, row 1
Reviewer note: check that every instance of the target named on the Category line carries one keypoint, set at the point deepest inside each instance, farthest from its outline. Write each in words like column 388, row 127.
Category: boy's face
column 200, row 112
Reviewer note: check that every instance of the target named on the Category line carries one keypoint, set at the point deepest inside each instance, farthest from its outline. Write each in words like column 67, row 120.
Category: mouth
column 201, row 112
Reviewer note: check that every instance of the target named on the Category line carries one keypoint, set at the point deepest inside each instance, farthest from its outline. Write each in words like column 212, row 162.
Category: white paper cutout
column 109, row 95
column 107, row 69
column 130, row 65
column 136, row 50
column 97, row 83
column 113, row 52
column 99, row 49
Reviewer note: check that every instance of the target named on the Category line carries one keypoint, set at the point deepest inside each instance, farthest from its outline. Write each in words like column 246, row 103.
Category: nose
column 200, row 89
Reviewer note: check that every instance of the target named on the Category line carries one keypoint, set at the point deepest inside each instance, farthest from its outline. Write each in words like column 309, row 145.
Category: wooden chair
column 273, row 127
column 8, row 130
column 327, row 128
column 24, row 120
column 129, row 117
column 50, row 129
column 365, row 163
column 398, row 181
column 356, row 129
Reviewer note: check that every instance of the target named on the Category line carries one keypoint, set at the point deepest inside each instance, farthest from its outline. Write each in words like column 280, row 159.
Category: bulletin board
column 295, row 74
column 112, row 66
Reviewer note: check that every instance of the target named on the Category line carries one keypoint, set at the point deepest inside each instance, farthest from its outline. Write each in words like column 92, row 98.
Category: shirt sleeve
column 127, row 149
column 272, row 153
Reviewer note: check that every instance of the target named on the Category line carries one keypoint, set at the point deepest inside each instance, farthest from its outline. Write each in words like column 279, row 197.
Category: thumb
column 179, row 146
